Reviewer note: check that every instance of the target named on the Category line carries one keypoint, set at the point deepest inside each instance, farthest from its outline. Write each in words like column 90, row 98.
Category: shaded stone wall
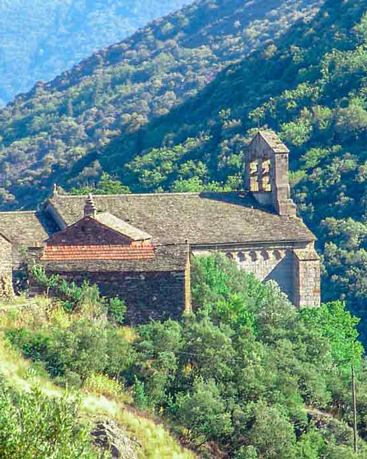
column 296, row 271
column 6, row 268
column 266, row 264
column 274, row 264
column 306, row 278
column 148, row 295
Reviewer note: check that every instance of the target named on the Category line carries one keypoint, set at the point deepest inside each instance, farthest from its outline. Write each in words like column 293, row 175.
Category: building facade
column 138, row 246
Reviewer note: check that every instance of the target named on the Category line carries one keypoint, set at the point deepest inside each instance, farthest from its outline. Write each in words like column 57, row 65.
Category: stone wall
column 272, row 264
column 6, row 268
column 147, row 295
column 296, row 271
column 268, row 264
column 306, row 278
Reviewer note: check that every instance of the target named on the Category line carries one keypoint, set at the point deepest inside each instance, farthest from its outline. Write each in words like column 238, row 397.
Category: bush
column 116, row 310
column 34, row 426
column 74, row 353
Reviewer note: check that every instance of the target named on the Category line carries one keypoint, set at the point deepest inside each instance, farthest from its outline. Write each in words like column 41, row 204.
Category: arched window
column 253, row 255
column 277, row 255
column 240, row 257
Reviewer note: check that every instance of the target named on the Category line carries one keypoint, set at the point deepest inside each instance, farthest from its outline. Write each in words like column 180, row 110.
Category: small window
column 253, row 255
column 240, row 257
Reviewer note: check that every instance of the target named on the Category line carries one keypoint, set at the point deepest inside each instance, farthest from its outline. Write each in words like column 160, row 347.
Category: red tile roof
column 98, row 252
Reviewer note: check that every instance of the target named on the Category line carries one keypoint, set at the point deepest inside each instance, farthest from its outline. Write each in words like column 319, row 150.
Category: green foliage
column 139, row 395
column 73, row 354
column 106, row 185
column 339, row 326
column 35, row 426
column 203, row 412
column 247, row 375
column 76, row 299
column 247, row 371
column 62, row 34
column 116, row 310
column 117, row 91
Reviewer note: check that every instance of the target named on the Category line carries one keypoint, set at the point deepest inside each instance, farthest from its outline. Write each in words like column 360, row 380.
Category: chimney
column 90, row 209
column 267, row 175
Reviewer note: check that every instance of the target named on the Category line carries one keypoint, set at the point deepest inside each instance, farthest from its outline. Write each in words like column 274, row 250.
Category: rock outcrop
column 110, row 437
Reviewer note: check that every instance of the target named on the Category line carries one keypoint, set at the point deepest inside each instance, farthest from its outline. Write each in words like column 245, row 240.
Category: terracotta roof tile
column 98, row 252
column 166, row 259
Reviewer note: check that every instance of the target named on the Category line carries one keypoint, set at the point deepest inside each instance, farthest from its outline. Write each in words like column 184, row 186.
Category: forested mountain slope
column 40, row 39
column 122, row 87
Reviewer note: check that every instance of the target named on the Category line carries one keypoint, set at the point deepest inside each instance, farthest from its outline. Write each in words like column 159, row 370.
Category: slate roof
column 27, row 228
column 109, row 220
column 200, row 218
column 98, row 252
column 273, row 141
column 166, row 259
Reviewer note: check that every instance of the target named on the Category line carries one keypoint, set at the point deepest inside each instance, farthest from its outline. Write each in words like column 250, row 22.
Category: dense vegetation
column 33, row 425
column 240, row 378
column 119, row 89
column 39, row 39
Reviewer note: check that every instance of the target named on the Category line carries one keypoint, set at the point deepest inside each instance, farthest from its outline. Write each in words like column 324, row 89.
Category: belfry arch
column 266, row 175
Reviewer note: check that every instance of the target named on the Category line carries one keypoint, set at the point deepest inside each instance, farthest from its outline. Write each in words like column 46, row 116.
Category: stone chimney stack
column 267, row 174
column 90, row 209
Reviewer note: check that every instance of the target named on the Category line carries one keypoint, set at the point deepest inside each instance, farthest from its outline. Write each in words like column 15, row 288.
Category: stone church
column 138, row 246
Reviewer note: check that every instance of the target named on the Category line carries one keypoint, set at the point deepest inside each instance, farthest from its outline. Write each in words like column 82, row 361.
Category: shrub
column 35, row 426
column 116, row 310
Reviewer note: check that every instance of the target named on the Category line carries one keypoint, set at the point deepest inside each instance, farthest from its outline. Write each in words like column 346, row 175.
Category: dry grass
column 102, row 396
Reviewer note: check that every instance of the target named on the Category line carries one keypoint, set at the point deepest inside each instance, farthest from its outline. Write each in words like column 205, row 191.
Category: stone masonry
column 6, row 267
column 148, row 295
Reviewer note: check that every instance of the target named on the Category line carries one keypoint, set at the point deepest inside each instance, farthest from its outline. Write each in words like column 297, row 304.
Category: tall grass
column 101, row 397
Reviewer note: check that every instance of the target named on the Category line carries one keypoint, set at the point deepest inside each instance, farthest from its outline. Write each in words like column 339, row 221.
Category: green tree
column 35, row 426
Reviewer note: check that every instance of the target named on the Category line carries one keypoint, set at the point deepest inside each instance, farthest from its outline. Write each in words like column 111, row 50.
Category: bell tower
column 266, row 176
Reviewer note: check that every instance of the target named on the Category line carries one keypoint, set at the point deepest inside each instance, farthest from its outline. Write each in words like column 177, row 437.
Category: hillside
column 58, row 412
column 238, row 379
column 39, row 40
column 309, row 86
column 121, row 88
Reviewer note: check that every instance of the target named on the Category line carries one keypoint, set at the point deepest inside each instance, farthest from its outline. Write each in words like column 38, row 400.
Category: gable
column 89, row 231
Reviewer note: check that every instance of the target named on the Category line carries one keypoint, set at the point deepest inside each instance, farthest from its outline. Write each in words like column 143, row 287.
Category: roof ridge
column 12, row 212
column 196, row 193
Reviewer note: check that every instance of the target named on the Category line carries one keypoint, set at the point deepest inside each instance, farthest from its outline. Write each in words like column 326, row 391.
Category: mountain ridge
column 38, row 39
column 45, row 132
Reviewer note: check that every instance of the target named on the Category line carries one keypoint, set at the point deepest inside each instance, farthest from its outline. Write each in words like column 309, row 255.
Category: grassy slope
column 97, row 402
